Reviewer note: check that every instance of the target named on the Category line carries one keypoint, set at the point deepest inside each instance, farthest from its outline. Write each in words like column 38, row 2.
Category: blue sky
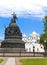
column 27, row 25
column 30, row 15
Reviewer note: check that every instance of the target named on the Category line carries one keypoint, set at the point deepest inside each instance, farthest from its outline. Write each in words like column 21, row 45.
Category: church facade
column 32, row 44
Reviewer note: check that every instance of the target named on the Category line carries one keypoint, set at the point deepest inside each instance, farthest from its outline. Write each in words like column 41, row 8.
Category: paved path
column 10, row 61
column 14, row 60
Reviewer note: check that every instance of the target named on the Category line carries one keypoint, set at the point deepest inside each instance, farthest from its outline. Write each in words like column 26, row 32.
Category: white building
column 32, row 44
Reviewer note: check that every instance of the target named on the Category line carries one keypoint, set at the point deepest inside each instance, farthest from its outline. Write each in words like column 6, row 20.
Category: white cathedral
column 32, row 43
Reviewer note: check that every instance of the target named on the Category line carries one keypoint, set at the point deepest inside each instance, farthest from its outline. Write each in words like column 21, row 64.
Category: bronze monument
column 13, row 35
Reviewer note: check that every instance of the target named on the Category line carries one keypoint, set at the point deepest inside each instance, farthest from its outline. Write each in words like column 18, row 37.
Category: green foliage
column 42, row 40
column 45, row 24
column 44, row 36
column 1, row 60
column 34, row 61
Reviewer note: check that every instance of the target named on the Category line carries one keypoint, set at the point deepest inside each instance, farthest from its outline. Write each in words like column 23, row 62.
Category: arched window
column 33, row 49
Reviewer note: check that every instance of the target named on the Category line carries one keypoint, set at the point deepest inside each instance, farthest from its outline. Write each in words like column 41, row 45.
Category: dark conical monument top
column 13, row 35
column 13, row 30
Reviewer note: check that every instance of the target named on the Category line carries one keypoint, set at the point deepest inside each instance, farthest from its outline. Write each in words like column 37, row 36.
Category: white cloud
column 22, row 7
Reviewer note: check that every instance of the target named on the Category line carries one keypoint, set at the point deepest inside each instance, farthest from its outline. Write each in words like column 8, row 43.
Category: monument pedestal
column 13, row 44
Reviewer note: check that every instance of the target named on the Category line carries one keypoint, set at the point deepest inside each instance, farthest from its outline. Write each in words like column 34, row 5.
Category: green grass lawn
column 34, row 61
column 1, row 60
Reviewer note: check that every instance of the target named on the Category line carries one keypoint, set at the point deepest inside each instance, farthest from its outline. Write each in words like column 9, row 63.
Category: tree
column 43, row 38
column 45, row 25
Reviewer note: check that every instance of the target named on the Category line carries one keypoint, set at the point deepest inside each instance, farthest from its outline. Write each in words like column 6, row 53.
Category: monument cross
column 14, row 17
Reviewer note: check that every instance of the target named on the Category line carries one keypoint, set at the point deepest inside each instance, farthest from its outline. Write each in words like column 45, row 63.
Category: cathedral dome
column 34, row 33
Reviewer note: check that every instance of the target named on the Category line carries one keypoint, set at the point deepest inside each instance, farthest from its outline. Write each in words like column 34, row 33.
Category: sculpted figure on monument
column 14, row 18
